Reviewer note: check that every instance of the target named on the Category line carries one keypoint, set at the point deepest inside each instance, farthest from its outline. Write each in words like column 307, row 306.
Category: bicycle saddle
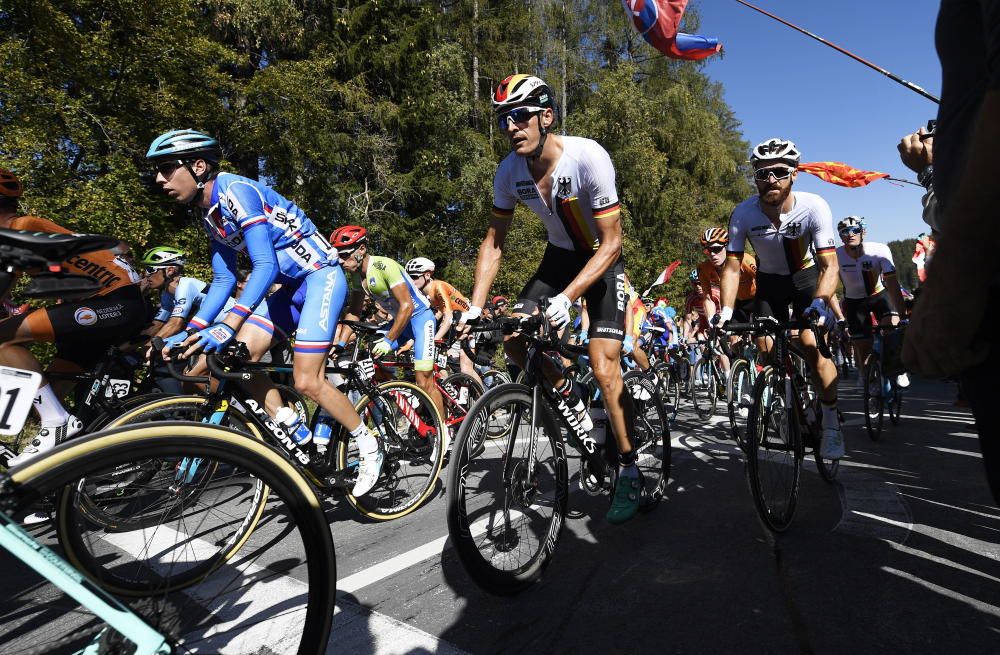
column 55, row 247
column 363, row 328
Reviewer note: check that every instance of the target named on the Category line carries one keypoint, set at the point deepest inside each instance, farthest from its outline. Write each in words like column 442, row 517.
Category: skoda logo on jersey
column 565, row 187
column 85, row 316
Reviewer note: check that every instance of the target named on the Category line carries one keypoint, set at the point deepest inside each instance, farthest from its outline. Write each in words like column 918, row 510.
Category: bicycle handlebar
column 772, row 326
column 157, row 343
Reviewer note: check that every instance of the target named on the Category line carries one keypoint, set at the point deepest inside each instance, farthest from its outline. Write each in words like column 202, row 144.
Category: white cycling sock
column 367, row 443
column 49, row 409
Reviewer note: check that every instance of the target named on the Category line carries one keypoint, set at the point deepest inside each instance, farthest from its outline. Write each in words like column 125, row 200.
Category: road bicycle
column 881, row 391
column 180, row 596
column 508, row 497
column 784, row 420
column 743, row 365
column 708, row 380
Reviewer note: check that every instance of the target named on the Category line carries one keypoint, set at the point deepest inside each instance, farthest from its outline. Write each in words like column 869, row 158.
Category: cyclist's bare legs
column 309, row 373
column 825, row 370
column 605, row 359
column 466, row 366
column 425, row 380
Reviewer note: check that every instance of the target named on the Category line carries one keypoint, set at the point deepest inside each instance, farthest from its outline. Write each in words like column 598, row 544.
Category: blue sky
column 782, row 83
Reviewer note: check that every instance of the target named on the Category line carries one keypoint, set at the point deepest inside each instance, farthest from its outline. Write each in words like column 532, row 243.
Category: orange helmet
column 349, row 238
column 719, row 235
column 10, row 186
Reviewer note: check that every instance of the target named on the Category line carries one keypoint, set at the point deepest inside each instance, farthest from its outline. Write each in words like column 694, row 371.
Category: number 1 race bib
column 17, row 391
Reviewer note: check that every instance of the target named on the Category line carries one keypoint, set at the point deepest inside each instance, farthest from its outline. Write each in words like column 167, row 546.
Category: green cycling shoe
column 628, row 491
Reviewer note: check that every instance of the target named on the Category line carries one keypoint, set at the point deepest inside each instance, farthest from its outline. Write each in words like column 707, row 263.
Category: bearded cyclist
column 569, row 182
column 792, row 234
column 243, row 215
column 80, row 329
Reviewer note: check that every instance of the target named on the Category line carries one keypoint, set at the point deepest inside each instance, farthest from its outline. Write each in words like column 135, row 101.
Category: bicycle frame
column 53, row 568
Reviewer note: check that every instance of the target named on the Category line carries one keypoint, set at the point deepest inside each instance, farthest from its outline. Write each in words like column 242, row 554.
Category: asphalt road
column 901, row 554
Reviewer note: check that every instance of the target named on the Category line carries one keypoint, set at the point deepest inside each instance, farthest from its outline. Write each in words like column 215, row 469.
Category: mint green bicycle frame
column 50, row 566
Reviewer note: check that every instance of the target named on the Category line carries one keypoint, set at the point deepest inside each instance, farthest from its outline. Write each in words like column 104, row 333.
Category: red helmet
column 499, row 299
column 10, row 186
column 349, row 238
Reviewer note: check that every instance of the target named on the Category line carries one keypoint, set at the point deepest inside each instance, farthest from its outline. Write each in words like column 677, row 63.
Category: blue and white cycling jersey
column 186, row 300
column 282, row 243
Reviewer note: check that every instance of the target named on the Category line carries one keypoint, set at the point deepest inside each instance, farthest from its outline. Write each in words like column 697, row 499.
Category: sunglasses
column 151, row 271
column 715, row 250
column 517, row 115
column 850, row 231
column 779, row 173
column 167, row 168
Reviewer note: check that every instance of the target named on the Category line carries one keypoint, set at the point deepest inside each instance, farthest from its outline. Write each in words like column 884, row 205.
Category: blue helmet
column 184, row 144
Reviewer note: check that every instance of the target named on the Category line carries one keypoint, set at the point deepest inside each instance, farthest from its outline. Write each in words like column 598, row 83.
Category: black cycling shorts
column 775, row 293
column 606, row 298
column 83, row 329
column 743, row 310
column 858, row 312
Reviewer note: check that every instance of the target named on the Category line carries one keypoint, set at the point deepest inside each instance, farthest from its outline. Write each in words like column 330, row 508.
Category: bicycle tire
column 652, row 439
column 672, row 388
column 496, row 377
column 874, row 390
column 739, row 387
column 828, row 468
column 198, row 614
column 407, row 453
column 704, row 395
column 770, row 452
column 471, row 510
column 81, row 501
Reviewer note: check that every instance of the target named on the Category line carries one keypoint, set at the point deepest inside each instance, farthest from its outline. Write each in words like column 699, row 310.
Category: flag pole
column 895, row 78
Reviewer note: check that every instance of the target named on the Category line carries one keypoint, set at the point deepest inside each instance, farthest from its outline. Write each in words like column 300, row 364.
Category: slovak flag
column 658, row 20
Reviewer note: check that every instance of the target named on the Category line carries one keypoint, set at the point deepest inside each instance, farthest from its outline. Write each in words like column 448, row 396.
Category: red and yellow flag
column 841, row 174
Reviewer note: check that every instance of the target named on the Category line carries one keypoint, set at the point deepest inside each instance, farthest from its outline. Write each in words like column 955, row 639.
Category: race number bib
column 17, row 391
column 117, row 388
column 442, row 360
column 366, row 368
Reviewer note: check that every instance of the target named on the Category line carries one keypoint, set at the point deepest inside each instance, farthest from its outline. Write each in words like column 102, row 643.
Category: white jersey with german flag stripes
column 802, row 233
column 862, row 277
column 583, row 191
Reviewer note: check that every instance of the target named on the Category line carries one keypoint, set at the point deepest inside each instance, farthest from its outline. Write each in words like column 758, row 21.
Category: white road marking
column 954, row 595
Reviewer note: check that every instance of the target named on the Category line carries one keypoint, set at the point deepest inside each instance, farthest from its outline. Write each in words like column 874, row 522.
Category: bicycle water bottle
column 324, row 428
column 600, row 418
column 293, row 425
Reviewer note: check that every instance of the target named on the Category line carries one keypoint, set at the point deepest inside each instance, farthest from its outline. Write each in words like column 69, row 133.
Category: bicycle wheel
column 874, row 397
column 143, row 494
column 408, row 424
column 507, row 499
column 828, row 468
column 704, row 394
column 739, row 399
column 669, row 390
column 495, row 377
column 652, row 438
column 279, row 600
column 896, row 403
column 775, row 458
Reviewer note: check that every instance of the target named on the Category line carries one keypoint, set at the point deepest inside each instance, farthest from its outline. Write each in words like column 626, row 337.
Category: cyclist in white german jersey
column 870, row 287
column 792, row 234
column 569, row 182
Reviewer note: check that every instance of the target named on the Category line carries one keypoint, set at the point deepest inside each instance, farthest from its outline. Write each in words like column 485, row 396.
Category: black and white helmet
column 775, row 150
column 419, row 266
